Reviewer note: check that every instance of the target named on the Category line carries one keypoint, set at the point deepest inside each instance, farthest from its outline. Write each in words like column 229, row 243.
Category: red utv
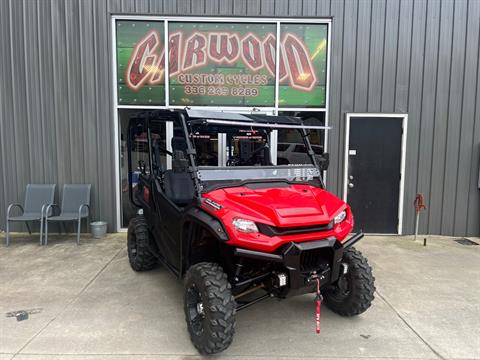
column 237, row 228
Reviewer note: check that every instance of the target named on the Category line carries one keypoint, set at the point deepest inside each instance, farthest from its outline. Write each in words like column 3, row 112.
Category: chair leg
column 28, row 228
column 78, row 230
column 41, row 231
column 46, row 231
column 7, row 239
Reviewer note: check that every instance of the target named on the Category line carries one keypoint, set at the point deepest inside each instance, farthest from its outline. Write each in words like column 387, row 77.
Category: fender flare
column 199, row 217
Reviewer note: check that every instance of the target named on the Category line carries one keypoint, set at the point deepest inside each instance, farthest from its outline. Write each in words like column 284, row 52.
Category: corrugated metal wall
column 418, row 57
column 56, row 117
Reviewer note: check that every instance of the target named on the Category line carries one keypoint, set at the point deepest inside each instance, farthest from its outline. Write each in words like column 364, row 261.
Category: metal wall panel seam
column 267, row 7
column 362, row 57
column 155, row 6
column 84, row 121
column 254, row 7
column 447, row 122
column 376, row 56
column 396, row 57
column 368, row 57
column 41, row 95
column 390, row 61
column 239, row 8
column 402, row 85
column 355, row 62
column 441, row 119
column 415, row 101
column 466, row 152
column 434, row 118
column 28, row 97
column 3, row 100
column 428, row 94
column 472, row 216
column 453, row 138
column 198, row 7
column 12, row 82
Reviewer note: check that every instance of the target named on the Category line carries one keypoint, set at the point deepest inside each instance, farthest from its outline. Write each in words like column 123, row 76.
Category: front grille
column 314, row 259
column 279, row 231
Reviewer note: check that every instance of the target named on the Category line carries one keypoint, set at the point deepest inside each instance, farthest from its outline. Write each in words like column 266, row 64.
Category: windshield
column 248, row 155
column 247, row 146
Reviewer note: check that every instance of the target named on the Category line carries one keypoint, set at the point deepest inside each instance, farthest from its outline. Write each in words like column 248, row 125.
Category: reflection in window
column 291, row 149
column 206, row 146
column 247, row 148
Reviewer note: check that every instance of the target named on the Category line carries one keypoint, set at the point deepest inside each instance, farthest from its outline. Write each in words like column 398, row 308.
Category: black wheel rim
column 195, row 310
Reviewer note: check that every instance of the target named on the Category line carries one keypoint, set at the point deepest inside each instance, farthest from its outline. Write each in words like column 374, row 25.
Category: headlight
column 245, row 226
column 340, row 217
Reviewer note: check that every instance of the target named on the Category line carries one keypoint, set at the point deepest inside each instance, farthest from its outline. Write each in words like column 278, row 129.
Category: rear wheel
column 139, row 254
column 209, row 308
column 353, row 292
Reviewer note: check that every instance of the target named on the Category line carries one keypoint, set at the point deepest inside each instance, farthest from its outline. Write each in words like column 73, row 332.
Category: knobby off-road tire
column 139, row 255
column 353, row 293
column 209, row 308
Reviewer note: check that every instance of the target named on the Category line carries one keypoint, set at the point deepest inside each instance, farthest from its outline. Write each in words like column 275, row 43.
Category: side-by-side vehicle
column 237, row 227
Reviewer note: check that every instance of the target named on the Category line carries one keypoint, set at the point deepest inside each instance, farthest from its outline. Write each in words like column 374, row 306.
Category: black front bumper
column 305, row 260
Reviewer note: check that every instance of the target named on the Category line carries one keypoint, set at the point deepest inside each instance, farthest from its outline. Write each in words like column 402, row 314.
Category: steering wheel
column 255, row 153
column 234, row 161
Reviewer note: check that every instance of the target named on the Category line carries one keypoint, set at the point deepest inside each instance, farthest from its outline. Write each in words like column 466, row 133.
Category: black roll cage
column 264, row 121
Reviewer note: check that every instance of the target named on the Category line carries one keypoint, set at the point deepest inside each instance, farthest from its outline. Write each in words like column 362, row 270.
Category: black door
column 373, row 179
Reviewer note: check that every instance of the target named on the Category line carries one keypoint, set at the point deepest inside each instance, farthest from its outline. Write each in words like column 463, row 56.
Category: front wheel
column 209, row 308
column 352, row 294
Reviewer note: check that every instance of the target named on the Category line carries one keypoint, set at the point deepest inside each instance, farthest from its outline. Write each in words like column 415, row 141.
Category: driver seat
column 178, row 182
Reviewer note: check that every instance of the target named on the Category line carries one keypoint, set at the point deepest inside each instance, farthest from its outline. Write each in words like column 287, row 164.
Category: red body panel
column 292, row 206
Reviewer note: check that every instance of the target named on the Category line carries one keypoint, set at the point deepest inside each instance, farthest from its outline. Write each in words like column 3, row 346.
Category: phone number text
column 220, row 91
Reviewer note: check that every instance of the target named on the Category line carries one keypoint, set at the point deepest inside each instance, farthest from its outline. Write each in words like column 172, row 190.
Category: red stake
column 318, row 301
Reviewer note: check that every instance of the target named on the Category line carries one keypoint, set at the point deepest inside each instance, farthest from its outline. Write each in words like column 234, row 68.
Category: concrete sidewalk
column 93, row 306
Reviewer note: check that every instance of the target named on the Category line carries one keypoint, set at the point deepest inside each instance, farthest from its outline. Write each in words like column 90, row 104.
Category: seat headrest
column 178, row 155
column 179, row 163
column 179, row 143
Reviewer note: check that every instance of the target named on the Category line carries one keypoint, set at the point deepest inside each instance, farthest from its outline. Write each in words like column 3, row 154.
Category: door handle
column 350, row 185
column 350, row 177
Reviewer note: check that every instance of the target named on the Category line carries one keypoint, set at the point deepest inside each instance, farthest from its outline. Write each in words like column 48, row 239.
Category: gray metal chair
column 37, row 198
column 75, row 206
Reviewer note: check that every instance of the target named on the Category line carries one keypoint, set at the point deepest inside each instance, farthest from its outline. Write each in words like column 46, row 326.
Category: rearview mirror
column 323, row 161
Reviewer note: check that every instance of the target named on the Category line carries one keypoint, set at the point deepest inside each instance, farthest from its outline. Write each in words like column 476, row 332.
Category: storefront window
column 303, row 65
column 140, row 62
column 213, row 64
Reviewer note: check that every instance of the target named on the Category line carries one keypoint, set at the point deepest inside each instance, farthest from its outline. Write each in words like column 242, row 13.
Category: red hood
column 294, row 205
